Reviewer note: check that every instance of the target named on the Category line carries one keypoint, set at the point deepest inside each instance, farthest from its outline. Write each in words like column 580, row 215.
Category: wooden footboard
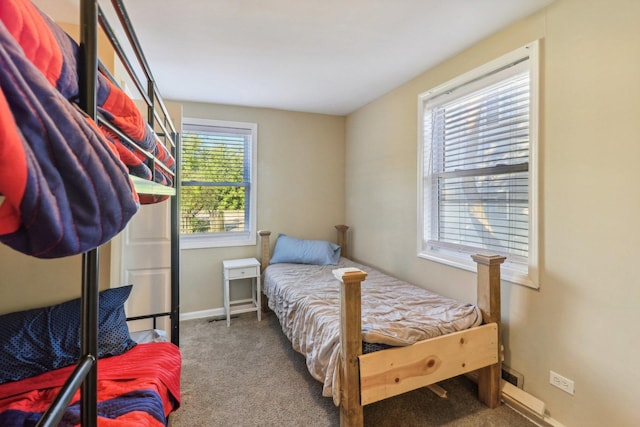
column 387, row 373
column 375, row 376
column 399, row 370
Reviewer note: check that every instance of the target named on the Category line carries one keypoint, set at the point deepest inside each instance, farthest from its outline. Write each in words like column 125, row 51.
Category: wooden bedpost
column 342, row 239
column 489, row 303
column 265, row 256
column 265, row 249
column 351, row 411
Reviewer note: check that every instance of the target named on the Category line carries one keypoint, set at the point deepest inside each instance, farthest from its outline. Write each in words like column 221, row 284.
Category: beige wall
column 583, row 321
column 300, row 189
column 28, row 282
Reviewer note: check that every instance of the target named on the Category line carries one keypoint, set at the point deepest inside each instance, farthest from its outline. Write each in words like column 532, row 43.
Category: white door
column 142, row 257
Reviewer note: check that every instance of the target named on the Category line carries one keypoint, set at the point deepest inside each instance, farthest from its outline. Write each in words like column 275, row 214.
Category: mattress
column 306, row 300
column 149, row 335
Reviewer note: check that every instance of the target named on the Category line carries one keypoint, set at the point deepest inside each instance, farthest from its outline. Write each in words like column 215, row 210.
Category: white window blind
column 480, row 165
column 476, row 166
column 216, row 197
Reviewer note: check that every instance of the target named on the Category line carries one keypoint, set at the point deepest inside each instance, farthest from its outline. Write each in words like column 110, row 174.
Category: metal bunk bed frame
column 84, row 376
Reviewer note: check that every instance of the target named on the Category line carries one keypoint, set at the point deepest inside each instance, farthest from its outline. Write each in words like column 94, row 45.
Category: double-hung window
column 218, row 183
column 477, row 185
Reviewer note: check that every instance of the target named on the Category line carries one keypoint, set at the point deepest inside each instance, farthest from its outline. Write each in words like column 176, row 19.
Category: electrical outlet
column 564, row 384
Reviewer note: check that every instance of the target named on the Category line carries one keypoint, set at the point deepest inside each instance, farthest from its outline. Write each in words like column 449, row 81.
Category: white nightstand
column 246, row 268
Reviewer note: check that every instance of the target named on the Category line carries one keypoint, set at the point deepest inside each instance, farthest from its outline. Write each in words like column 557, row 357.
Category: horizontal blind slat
column 479, row 154
column 215, row 179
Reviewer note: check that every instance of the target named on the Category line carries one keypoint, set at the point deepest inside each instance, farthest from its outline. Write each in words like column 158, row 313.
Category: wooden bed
column 92, row 157
column 367, row 378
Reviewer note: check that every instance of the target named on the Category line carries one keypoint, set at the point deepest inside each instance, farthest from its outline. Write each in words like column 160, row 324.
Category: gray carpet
column 248, row 375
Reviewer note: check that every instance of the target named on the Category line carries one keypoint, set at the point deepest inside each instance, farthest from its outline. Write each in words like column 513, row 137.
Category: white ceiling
column 321, row 56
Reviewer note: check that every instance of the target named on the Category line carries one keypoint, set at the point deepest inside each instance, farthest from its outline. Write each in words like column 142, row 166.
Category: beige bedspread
column 306, row 299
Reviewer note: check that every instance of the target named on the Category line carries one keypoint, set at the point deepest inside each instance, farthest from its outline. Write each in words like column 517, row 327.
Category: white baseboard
column 214, row 312
column 524, row 403
column 529, row 406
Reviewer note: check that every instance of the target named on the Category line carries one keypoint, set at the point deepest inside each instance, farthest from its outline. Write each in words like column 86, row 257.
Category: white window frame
column 248, row 237
column 524, row 273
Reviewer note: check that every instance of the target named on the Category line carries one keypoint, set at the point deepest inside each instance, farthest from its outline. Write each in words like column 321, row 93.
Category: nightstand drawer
column 238, row 273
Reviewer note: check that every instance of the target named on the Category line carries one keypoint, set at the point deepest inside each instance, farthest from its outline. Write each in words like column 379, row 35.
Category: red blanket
column 65, row 182
column 140, row 387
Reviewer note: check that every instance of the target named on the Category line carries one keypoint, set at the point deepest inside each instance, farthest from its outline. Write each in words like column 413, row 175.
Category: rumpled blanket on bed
column 306, row 299
column 65, row 187
column 139, row 388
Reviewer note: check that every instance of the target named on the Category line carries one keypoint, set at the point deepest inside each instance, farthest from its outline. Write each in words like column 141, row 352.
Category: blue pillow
column 39, row 340
column 299, row 251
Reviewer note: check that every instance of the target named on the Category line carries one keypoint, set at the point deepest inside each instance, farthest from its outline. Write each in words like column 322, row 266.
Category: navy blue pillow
column 299, row 251
column 39, row 340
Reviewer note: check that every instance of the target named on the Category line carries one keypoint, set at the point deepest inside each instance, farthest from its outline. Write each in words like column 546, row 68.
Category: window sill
column 511, row 272
column 203, row 241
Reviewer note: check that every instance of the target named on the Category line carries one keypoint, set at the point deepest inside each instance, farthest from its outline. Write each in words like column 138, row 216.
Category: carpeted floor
column 248, row 375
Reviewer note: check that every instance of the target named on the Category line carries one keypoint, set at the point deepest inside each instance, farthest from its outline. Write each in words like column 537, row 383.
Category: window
column 477, row 187
column 218, row 187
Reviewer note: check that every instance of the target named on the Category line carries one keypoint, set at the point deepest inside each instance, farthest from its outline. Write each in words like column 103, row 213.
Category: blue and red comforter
column 139, row 388
column 64, row 184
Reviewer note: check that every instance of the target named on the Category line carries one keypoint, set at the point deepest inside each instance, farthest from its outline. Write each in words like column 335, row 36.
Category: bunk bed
column 77, row 158
column 368, row 336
